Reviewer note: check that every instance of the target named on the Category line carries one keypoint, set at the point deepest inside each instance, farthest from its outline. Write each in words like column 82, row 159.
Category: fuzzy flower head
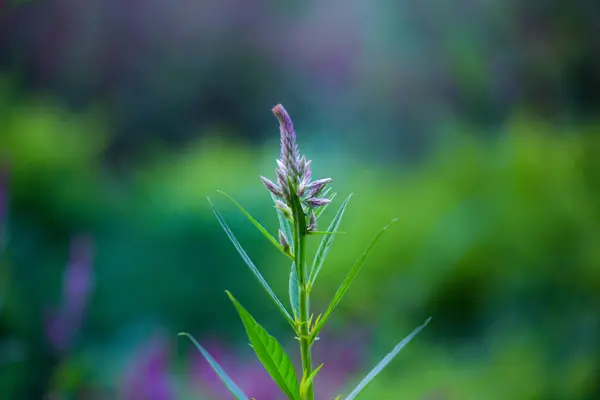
column 293, row 171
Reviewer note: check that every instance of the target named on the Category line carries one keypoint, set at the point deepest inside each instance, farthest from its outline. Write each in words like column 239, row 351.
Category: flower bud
column 284, row 242
column 312, row 222
column 284, row 208
column 315, row 202
column 273, row 188
column 316, row 187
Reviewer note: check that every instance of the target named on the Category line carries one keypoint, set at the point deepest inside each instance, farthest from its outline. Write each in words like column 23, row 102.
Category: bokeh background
column 476, row 123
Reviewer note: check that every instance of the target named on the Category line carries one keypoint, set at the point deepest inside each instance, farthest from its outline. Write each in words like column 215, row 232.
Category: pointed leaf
column 323, row 249
column 258, row 226
column 284, row 226
column 270, row 353
column 294, row 287
column 386, row 360
column 233, row 388
column 326, row 233
column 252, row 267
column 307, row 380
column 348, row 281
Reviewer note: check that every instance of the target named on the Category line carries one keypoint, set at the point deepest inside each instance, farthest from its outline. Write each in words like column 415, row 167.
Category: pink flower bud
column 284, row 242
column 315, row 202
column 273, row 188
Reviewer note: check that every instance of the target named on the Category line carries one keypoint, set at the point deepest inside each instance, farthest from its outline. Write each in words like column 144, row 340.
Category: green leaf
column 323, row 249
column 386, row 360
column 284, row 226
column 252, row 267
column 307, row 380
column 294, row 286
column 348, row 281
column 258, row 226
column 270, row 353
column 326, row 233
column 233, row 388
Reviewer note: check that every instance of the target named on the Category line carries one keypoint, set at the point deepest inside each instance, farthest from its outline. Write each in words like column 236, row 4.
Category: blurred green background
column 476, row 123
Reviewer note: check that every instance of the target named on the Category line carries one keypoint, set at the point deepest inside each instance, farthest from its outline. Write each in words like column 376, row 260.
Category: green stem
column 303, row 297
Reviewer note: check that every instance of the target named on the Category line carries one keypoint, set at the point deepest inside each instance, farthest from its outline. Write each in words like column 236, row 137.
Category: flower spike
column 293, row 172
column 289, row 149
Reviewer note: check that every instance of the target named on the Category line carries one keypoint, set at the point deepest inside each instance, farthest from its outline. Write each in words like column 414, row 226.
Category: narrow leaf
column 233, row 388
column 386, row 360
column 270, row 353
column 252, row 267
column 348, row 281
column 323, row 249
column 308, row 380
column 326, row 233
column 294, row 287
column 258, row 226
column 284, row 225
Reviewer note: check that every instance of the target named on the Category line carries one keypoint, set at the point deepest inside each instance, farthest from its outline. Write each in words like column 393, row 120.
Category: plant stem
column 303, row 296
column 305, row 345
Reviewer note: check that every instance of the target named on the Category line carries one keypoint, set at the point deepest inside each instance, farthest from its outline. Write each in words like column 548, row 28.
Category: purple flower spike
column 289, row 149
column 64, row 325
column 293, row 172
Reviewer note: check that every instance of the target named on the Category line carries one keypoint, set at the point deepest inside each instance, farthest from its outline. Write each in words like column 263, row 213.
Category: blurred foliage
column 497, row 239
column 401, row 69
column 475, row 123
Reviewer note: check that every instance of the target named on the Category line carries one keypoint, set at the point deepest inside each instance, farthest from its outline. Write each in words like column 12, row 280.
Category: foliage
column 297, row 198
column 497, row 239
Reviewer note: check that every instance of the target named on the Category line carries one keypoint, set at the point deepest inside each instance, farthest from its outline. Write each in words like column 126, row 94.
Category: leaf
column 252, row 267
column 307, row 381
column 258, row 226
column 294, row 286
column 323, row 249
column 284, row 226
column 326, row 233
column 386, row 360
column 270, row 353
column 233, row 388
column 348, row 281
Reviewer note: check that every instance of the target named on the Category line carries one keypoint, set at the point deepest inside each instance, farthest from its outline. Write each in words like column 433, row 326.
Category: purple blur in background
column 147, row 377
column 64, row 324
column 343, row 357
